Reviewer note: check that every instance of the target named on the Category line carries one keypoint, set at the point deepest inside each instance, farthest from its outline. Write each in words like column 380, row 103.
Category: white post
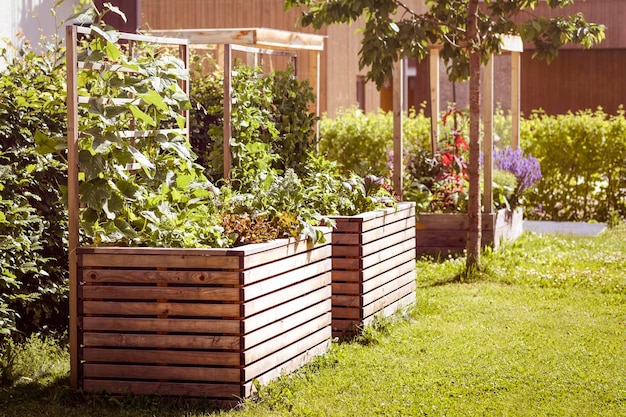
column 434, row 98
column 516, row 63
column 488, row 137
column 398, row 94
column 228, row 103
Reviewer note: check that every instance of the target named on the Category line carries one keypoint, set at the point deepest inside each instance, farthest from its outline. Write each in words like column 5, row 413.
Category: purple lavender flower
column 525, row 167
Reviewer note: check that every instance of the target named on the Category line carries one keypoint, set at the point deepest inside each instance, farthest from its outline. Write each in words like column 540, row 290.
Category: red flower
column 460, row 143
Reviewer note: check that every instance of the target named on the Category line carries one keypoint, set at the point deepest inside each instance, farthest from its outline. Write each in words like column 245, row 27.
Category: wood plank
column 111, row 292
column 273, row 330
column 385, row 254
column 281, row 281
column 123, row 260
column 350, row 264
column 380, row 304
column 350, row 288
column 259, row 304
column 347, row 251
column 138, row 324
column 346, row 301
column 346, row 239
column 289, row 366
column 404, row 211
column 347, row 313
column 379, row 268
column 253, row 370
column 279, row 267
column 388, row 276
column 346, row 276
column 153, row 341
column 160, row 373
column 284, row 310
column 153, row 276
column 389, row 229
column 392, row 308
column 271, row 255
column 407, row 282
column 174, row 357
column 286, row 339
column 128, row 308
column 228, row 391
column 389, row 239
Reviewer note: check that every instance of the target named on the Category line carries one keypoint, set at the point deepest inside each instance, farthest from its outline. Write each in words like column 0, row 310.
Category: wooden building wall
column 339, row 62
column 579, row 79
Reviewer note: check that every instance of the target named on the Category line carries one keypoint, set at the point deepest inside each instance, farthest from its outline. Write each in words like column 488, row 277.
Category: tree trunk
column 474, row 232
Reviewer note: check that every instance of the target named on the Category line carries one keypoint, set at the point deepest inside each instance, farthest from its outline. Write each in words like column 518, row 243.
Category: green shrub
column 583, row 162
column 33, row 258
column 363, row 143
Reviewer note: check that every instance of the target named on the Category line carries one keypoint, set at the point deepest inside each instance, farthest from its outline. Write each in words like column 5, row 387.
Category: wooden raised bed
column 438, row 233
column 373, row 266
column 200, row 322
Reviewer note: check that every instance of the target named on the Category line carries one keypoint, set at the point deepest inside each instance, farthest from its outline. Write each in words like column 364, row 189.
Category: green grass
column 542, row 332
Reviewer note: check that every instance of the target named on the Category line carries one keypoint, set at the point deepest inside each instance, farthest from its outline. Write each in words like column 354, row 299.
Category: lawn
column 542, row 332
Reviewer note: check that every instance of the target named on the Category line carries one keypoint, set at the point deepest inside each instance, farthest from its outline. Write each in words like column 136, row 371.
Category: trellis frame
column 73, row 66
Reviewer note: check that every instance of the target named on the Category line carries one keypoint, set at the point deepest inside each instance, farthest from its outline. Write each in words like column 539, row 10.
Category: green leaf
column 140, row 115
column 155, row 99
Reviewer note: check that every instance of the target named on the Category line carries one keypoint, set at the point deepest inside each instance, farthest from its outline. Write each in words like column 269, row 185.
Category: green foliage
column 504, row 185
column 393, row 30
column 362, row 143
column 582, row 160
column 33, row 261
column 268, row 110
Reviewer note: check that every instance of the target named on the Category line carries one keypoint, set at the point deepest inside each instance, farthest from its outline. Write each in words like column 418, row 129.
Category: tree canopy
column 468, row 32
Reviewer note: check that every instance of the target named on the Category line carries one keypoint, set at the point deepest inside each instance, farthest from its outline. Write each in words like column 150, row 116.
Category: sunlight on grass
column 540, row 332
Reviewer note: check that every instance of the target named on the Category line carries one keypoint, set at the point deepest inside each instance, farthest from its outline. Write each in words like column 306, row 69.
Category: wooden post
column 228, row 106
column 71, row 38
column 516, row 63
column 314, row 77
column 398, row 76
column 434, row 98
column 488, row 137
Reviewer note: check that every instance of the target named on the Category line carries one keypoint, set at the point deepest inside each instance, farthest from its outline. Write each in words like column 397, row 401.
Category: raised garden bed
column 373, row 266
column 200, row 322
column 442, row 233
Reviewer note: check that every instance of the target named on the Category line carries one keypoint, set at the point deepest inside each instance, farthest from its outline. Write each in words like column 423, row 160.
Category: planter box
column 201, row 322
column 373, row 266
column 438, row 233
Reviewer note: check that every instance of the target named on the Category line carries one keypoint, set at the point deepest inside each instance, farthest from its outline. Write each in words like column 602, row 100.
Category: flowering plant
column 524, row 168
column 440, row 183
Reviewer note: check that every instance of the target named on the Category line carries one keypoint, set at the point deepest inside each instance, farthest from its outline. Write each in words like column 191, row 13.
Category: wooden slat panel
column 350, row 264
column 251, row 371
column 346, row 301
column 159, row 261
column 389, row 276
column 347, row 276
column 379, row 268
column 347, row 251
column 275, row 329
column 347, row 288
column 163, row 388
column 284, row 280
column 405, row 210
column 136, row 324
column 153, row 276
column 174, row 357
column 406, row 224
column 287, row 264
column 287, row 339
column 159, row 341
column 407, row 281
column 111, row 292
column 169, row 373
column 282, row 311
column 381, row 303
column 285, row 251
column 346, row 239
column 128, row 308
column 390, row 239
column 271, row 300
column 392, row 308
column 375, row 258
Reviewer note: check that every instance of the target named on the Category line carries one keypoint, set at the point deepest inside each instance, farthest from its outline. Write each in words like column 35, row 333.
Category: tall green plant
column 33, row 270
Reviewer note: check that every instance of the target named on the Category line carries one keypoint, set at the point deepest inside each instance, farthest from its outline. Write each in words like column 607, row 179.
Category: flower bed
column 200, row 322
column 373, row 266
column 438, row 233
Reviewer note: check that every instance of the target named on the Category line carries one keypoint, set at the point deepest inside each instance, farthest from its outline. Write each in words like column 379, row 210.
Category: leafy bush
column 362, row 143
column 523, row 167
column 582, row 159
column 272, row 109
column 33, row 259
